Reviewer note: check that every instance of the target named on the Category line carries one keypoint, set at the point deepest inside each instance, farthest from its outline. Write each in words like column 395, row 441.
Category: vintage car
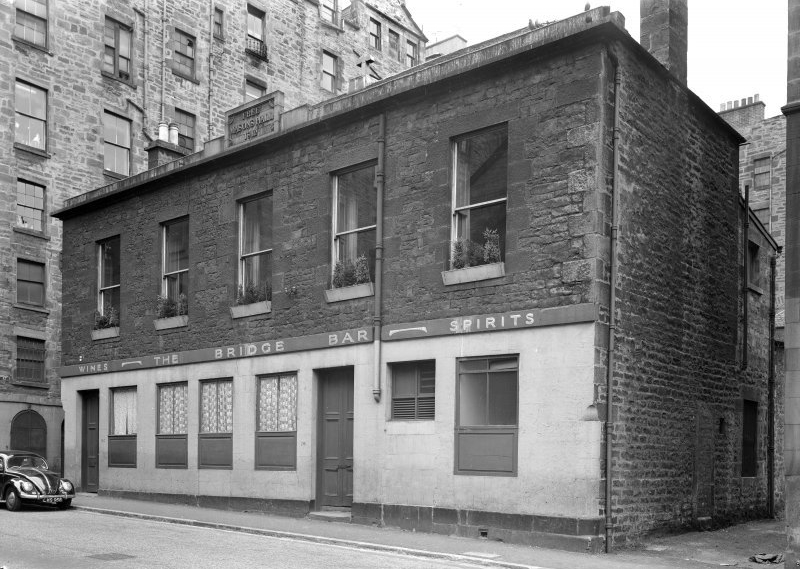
column 25, row 479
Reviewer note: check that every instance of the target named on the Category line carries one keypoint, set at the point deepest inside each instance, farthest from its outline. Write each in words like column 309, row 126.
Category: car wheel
column 13, row 503
column 65, row 504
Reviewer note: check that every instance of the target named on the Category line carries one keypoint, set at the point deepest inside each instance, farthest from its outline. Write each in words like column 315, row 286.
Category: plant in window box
column 472, row 261
column 106, row 325
column 350, row 280
column 252, row 299
column 171, row 313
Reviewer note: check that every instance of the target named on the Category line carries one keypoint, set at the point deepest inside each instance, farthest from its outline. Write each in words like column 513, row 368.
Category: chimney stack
column 664, row 33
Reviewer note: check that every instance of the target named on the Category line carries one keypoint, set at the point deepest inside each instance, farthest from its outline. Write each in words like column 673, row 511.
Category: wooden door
column 90, row 449
column 335, row 480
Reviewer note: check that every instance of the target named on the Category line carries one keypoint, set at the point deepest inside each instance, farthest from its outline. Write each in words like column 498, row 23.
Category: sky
column 735, row 50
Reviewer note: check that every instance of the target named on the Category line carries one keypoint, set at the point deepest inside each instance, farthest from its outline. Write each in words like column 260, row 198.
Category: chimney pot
column 749, row 100
column 173, row 133
column 163, row 131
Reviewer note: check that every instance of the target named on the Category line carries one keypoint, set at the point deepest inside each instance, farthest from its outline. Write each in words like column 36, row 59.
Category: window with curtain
column 123, row 411
column 30, row 118
column 117, row 55
column 176, row 259
column 172, row 409
column 355, row 216
column 216, row 406
column 31, row 21
column 30, row 205
column 108, row 277
column 276, row 427
column 480, row 163
column 255, row 257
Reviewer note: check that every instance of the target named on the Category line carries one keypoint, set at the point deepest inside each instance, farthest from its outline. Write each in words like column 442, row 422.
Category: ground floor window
column 413, row 390
column 171, row 443
column 122, row 435
column 215, row 443
column 29, row 432
column 486, row 416
column 276, row 431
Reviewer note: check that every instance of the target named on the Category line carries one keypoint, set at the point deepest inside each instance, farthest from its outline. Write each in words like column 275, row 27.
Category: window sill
column 245, row 310
column 113, row 77
column 331, row 25
column 474, row 274
column 349, row 292
column 184, row 76
column 755, row 288
column 171, row 322
column 105, row 333
column 40, row 309
column 36, row 384
column 32, row 150
column 31, row 232
column 219, row 38
column 114, row 175
column 26, row 43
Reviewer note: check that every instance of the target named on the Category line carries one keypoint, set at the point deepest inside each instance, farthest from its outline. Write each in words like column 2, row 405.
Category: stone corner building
column 412, row 301
column 86, row 86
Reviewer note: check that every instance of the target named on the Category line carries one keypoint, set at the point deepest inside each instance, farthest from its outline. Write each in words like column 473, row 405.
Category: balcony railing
column 256, row 47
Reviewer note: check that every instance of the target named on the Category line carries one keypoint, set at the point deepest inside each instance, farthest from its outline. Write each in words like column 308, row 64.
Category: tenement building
column 417, row 300
column 90, row 86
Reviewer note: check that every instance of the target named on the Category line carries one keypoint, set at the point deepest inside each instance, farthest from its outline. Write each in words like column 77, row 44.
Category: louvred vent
column 425, row 408
column 403, row 408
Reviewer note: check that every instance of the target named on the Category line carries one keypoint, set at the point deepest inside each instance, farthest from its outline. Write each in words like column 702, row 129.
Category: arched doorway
column 29, row 432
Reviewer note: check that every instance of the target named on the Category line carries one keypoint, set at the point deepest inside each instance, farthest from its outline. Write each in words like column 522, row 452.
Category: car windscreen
column 26, row 461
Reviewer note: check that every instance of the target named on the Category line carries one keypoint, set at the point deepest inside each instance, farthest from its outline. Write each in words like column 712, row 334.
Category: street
column 43, row 538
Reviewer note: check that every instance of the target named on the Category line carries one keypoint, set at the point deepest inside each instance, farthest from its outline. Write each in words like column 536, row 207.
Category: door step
column 331, row 516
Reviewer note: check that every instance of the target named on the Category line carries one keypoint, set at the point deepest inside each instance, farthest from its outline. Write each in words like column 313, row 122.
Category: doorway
column 335, row 449
column 90, row 446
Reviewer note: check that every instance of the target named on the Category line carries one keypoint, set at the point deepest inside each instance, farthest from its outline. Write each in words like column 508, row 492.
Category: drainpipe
column 146, row 66
column 771, row 391
column 745, row 289
column 376, row 319
column 612, row 319
column 163, row 52
column 210, row 52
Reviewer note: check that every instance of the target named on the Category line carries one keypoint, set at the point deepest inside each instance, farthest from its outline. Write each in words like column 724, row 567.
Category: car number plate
column 52, row 500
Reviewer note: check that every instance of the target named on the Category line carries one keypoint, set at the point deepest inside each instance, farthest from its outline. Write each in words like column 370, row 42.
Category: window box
column 171, row 322
column 104, row 333
column 349, row 292
column 245, row 310
column 472, row 274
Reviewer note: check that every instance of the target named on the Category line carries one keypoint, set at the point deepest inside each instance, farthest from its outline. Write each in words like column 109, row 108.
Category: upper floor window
column 255, row 32
column 330, row 71
column 30, row 205
column 30, row 119
column 327, row 10
column 31, row 24
column 184, row 53
column 253, row 91
column 374, row 34
column 394, row 45
column 255, row 256
column 108, row 281
column 761, row 172
column 117, row 56
column 186, row 122
column 30, row 282
column 412, row 53
column 479, row 178
column 219, row 23
column 175, row 273
column 413, row 390
column 117, row 144
column 354, row 219
column 753, row 264
column 30, row 360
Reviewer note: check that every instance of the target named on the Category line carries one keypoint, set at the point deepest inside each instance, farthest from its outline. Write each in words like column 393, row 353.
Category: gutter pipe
column 745, row 288
column 163, row 53
column 378, row 316
column 771, row 391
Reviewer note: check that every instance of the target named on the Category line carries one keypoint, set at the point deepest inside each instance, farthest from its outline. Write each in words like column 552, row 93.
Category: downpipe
column 378, row 315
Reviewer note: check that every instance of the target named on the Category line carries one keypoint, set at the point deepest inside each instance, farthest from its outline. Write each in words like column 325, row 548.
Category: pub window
column 30, row 205
column 30, row 360
column 108, row 281
column 413, row 390
column 276, row 431
column 480, row 168
column 749, row 438
column 183, row 46
column 354, row 220
column 374, row 34
column 171, row 444
column 117, row 56
column 31, row 21
column 30, row 117
column 30, row 283
column 255, row 256
column 122, row 428
column 486, row 416
column 215, row 443
column 117, row 144
column 175, row 263
column 186, row 124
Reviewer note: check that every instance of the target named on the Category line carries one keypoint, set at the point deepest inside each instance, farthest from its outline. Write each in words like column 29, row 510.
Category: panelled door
column 90, row 448
column 335, row 481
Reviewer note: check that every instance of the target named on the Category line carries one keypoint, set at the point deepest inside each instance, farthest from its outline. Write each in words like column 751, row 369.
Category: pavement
column 728, row 547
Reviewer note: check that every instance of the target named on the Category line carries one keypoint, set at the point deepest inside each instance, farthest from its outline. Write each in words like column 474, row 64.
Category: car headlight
column 26, row 486
column 66, row 485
